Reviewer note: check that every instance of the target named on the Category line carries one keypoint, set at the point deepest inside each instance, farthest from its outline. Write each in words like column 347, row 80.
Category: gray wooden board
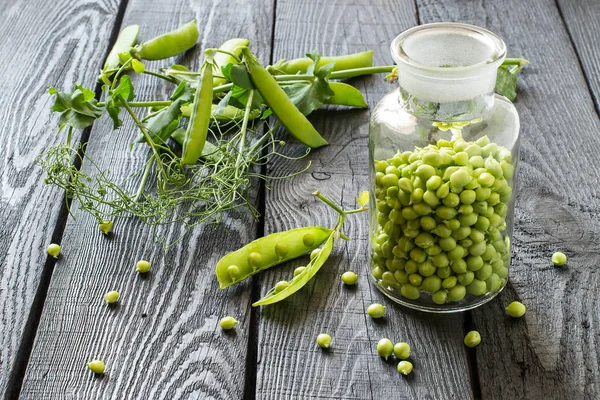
column 290, row 364
column 552, row 352
column 41, row 46
column 582, row 19
column 163, row 339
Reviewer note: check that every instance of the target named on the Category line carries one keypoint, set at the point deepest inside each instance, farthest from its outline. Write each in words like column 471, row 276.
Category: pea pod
column 169, row 44
column 227, row 114
column 233, row 46
column 281, row 105
column 346, row 95
column 302, row 278
column 124, row 42
column 197, row 129
column 350, row 61
column 268, row 251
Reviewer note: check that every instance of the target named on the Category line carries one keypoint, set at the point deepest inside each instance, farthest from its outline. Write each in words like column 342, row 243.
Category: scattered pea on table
column 559, row 259
column 228, row 322
column 385, row 348
column 324, row 340
column 472, row 339
column 142, row 266
column 106, row 226
column 97, row 366
column 405, row 367
column 516, row 309
column 402, row 350
column 376, row 310
column 111, row 297
column 54, row 250
column 349, row 278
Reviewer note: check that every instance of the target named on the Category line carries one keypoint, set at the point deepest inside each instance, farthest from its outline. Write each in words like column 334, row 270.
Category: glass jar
column 443, row 150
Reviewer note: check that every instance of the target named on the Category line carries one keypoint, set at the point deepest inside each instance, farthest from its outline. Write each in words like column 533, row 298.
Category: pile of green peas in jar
column 441, row 220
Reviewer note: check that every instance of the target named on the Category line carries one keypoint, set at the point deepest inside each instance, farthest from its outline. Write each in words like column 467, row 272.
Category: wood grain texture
column 290, row 365
column 582, row 19
column 552, row 352
column 41, row 46
column 163, row 340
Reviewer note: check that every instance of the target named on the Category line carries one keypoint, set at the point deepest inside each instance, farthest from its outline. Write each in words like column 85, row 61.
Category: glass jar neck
column 447, row 71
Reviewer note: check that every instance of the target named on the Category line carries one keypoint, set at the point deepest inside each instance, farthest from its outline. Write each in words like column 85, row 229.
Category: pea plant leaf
column 363, row 198
column 114, row 98
column 506, row 84
column 309, row 96
column 79, row 109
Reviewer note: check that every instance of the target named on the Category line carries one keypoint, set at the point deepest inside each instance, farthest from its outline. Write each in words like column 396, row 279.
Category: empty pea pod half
column 267, row 252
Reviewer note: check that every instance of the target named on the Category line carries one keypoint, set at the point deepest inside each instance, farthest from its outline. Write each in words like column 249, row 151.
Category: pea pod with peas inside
column 267, row 252
column 281, row 105
column 232, row 46
column 351, row 61
column 169, row 44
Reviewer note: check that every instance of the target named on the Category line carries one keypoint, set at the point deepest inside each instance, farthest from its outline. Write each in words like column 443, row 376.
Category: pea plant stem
column 243, row 132
column 138, row 104
column 330, row 203
column 142, row 185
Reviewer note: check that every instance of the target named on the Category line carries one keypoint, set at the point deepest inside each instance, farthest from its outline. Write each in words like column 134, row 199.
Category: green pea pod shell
column 227, row 114
column 233, row 46
column 197, row 129
column 281, row 105
column 346, row 95
column 350, row 61
column 169, row 44
column 269, row 251
column 126, row 39
column 302, row 278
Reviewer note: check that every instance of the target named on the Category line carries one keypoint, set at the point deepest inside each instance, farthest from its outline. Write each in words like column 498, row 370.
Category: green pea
column 473, row 150
column 493, row 167
column 493, row 199
column 442, row 231
column 431, row 284
column 460, row 145
column 425, row 172
column 452, row 200
column 380, row 166
column 409, row 214
column 300, row 270
column 411, row 267
column 315, row 253
column 465, row 243
column 461, row 158
column 493, row 283
column 402, row 350
column 516, row 309
column 460, row 178
column 392, row 170
column 441, row 260
column 54, row 250
column 482, row 224
column 433, row 183
column 280, row 286
column 378, row 177
column 443, row 272
column 459, row 266
column 405, row 185
column 477, row 249
column 457, row 293
column 415, row 279
column 233, row 271
column 350, row 278
column 489, row 149
column 559, row 259
column 430, row 197
column 377, row 272
column 410, row 292
column 443, row 190
column 111, row 297
column 426, row 269
column 477, row 287
column 482, row 194
column 472, row 339
column 106, row 226
column 404, row 198
column 388, row 279
column 468, row 220
column 452, row 224
column 507, row 170
column 486, row 179
column 461, row 233
column 484, row 272
column 476, row 235
column 456, row 253
column 424, row 240
column 282, row 249
column 376, row 310
column 427, row 223
column 474, row 263
column 143, row 266
column 466, row 278
column 432, row 158
column 228, row 323
column 421, row 209
column 447, row 244
column 414, row 224
column 468, row 197
column 405, row 367
column 449, row 282
column 416, row 196
column 439, row 297
column 482, row 141
column 476, row 161
column 496, row 220
column 433, row 250
column 385, row 347
column 97, row 366
column 490, row 252
column 390, row 180
column 324, row 340
column 502, row 273
column 445, row 212
column 401, row 276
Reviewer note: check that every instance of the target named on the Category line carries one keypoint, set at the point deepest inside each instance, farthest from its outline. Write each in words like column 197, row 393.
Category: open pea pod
column 267, row 252
column 301, row 279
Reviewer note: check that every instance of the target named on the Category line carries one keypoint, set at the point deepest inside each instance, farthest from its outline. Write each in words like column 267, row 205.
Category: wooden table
column 163, row 340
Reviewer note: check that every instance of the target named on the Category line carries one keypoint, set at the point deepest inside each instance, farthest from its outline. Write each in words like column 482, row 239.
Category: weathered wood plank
column 290, row 365
column 163, row 340
column 582, row 19
column 552, row 352
column 42, row 45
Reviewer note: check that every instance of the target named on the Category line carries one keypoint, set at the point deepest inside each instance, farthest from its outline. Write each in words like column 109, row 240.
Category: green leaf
column 240, row 77
column 239, row 98
column 226, row 71
column 137, row 66
column 79, row 109
column 114, row 99
column 363, row 198
column 506, row 83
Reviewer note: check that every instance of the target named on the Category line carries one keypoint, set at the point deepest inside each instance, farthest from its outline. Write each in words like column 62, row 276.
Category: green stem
column 142, row 185
column 329, row 203
column 161, row 76
column 243, row 132
column 236, row 58
column 515, row 61
column 155, row 103
column 141, row 127
column 350, row 73
column 356, row 210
